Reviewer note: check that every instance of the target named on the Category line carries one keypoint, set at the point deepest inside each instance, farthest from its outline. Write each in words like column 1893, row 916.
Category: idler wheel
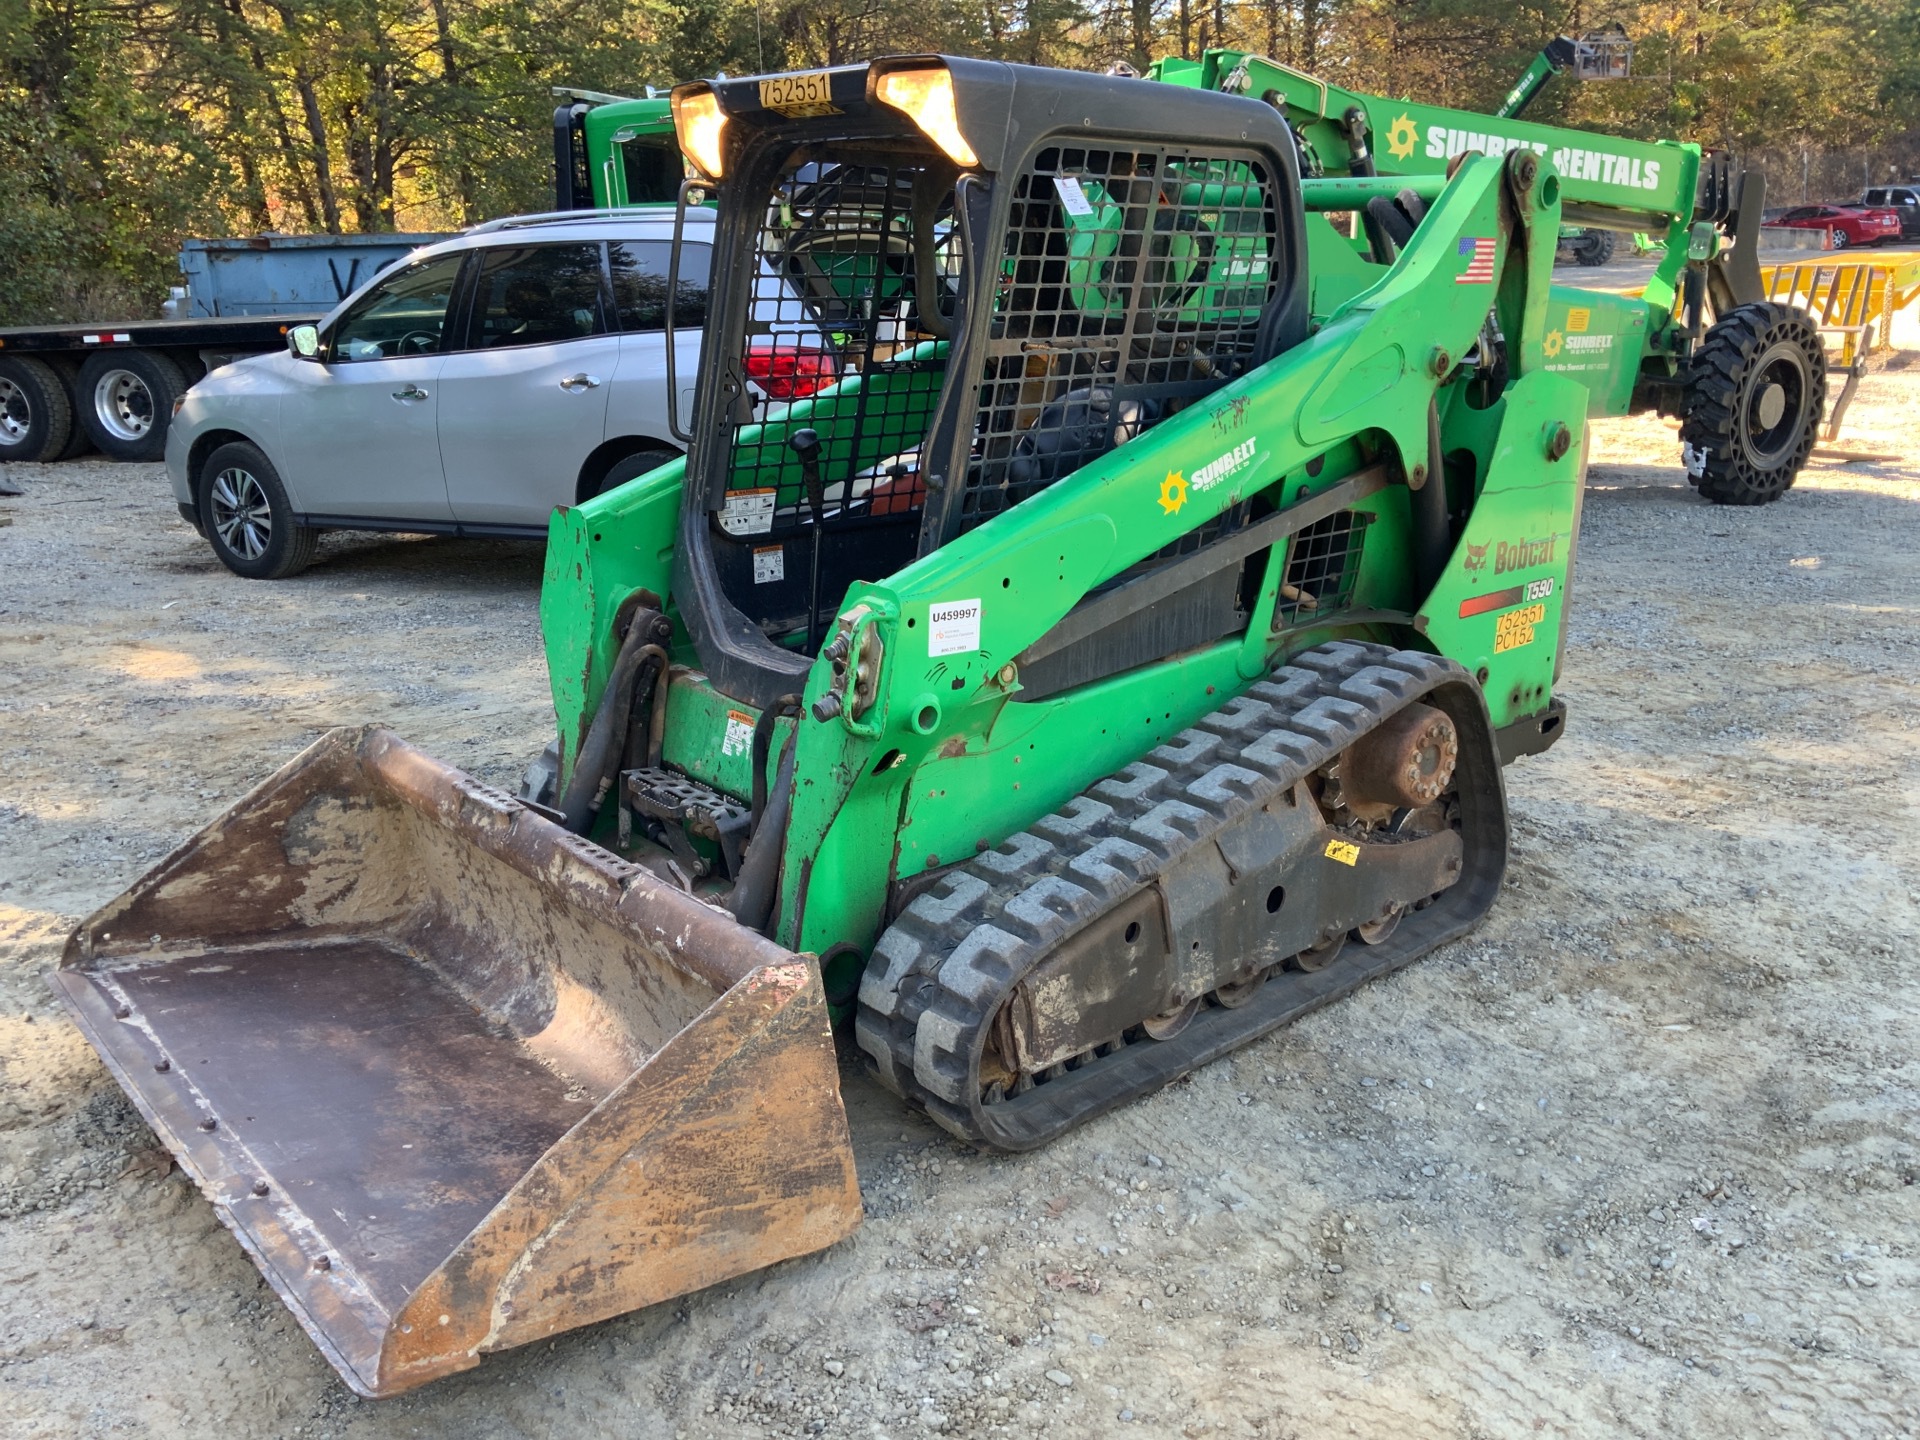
column 1236, row 993
column 1320, row 956
column 1377, row 932
column 1407, row 761
column 1170, row 1024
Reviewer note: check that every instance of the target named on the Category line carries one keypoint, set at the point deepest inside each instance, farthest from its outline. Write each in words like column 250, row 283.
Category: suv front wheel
column 247, row 517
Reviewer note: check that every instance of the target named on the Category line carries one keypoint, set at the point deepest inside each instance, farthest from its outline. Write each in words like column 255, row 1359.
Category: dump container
column 456, row 1078
column 286, row 274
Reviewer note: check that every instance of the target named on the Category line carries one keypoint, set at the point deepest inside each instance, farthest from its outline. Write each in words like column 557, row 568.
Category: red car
column 1850, row 224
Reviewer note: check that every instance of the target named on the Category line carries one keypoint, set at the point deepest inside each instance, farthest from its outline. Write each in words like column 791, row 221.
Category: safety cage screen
column 1134, row 282
column 834, row 302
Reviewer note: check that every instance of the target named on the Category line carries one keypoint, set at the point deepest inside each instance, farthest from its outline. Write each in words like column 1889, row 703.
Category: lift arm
column 1547, row 64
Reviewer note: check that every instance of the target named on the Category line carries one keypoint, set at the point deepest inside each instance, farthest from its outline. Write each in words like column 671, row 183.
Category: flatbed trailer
column 64, row 388
column 112, row 385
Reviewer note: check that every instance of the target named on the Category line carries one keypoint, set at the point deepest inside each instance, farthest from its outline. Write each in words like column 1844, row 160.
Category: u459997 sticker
column 953, row 627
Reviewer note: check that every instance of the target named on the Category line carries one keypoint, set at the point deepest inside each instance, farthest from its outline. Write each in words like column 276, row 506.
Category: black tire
column 247, row 517
column 1594, row 248
column 36, row 414
column 629, row 467
column 1756, row 394
column 1840, row 241
column 125, row 399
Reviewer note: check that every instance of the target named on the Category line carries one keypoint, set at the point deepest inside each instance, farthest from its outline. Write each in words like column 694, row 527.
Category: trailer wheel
column 1756, row 393
column 249, row 520
column 126, row 399
column 36, row 417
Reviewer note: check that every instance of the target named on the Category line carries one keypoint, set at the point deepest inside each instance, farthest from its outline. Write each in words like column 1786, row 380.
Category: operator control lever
column 805, row 444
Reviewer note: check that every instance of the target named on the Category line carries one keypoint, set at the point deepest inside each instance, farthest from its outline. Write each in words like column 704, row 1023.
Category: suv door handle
column 411, row 392
column 574, row 384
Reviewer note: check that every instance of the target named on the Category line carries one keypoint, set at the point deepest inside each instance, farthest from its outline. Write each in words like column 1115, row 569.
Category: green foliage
column 125, row 127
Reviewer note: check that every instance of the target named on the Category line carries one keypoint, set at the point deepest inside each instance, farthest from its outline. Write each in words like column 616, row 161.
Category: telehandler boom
column 1103, row 652
column 1747, row 377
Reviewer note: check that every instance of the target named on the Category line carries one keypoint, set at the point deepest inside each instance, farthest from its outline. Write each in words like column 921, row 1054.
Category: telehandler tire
column 1756, row 394
column 1593, row 249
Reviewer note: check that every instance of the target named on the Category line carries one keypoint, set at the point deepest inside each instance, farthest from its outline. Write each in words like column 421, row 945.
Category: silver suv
column 468, row 390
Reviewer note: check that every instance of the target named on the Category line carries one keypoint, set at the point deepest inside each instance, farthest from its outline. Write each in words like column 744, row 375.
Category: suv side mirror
column 303, row 342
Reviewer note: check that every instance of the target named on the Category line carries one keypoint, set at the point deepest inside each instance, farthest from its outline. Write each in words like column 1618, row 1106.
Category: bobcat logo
column 1476, row 557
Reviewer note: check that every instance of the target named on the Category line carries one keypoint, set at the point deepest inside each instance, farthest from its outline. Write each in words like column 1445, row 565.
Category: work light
column 926, row 97
column 701, row 128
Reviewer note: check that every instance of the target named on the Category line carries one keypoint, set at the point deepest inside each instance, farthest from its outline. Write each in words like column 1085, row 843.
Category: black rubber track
column 1720, row 381
column 940, row 973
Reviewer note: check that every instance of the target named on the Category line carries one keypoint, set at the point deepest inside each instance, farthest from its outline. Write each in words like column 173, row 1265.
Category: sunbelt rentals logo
column 1574, row 162
column 1216, row 472
column 1402, row 136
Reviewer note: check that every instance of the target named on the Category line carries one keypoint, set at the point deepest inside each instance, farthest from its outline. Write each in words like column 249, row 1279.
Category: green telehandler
column 1103, row 653
column 1745, row 376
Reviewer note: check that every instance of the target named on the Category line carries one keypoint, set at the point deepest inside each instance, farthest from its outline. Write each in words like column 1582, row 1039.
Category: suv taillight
column 790, row 369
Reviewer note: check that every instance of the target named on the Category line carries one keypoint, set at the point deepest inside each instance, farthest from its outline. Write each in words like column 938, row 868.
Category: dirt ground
column 1636, row 1158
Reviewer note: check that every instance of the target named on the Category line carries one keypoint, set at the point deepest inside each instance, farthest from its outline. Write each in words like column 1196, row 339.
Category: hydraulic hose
column 655, row 732
column 751, row 900
column 762, row 747
column 1432, row 536
column 587, row 786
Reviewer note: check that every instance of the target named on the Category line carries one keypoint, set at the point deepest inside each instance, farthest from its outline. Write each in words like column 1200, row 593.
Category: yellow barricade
column 1853, row 301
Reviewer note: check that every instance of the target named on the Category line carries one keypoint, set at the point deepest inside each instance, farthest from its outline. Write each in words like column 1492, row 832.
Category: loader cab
column 964, row 281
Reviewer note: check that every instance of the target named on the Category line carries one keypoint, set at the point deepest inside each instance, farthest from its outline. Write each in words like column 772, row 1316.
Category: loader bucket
column 455, row 1078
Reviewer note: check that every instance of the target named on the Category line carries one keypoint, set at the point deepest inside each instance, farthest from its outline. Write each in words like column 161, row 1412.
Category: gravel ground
column 1635, row 1158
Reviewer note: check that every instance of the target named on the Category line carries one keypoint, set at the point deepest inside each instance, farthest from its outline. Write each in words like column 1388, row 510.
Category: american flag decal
column 1479, row 269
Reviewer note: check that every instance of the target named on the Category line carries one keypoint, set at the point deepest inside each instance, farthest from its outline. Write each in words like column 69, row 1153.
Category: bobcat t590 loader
column 1084, row 635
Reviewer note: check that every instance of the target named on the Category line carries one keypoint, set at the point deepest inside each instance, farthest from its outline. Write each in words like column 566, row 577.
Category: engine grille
column 1323, row 566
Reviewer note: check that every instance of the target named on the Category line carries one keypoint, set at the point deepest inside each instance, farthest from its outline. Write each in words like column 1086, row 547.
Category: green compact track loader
column 1084, row 635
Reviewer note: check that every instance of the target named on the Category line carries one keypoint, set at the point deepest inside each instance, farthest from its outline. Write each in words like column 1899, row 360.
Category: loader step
column 1128, row 854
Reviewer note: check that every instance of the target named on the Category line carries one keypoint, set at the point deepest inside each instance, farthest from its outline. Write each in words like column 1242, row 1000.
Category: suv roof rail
column 592, row 97
column 580, row 217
